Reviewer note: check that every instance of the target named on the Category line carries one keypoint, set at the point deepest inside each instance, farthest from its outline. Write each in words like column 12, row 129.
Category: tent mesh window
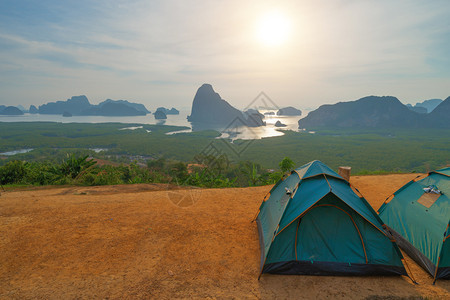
column 428, row 199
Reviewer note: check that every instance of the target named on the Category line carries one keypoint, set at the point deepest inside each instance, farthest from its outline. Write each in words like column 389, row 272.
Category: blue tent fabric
column 315, row 168
column 314, row 223
column 443, row 270
column 272, row 210
column 422, row 227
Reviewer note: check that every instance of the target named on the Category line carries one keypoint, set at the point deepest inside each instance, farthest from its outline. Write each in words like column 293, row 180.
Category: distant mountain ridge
column 429, row 104
column 376, row 112
column 417, row 109
column 208, row 108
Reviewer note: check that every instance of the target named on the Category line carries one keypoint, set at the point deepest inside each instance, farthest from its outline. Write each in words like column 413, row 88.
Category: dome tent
column 313, row 223
column 419, row 220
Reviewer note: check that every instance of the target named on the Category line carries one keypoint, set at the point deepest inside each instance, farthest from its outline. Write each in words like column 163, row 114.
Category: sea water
column 230, row 131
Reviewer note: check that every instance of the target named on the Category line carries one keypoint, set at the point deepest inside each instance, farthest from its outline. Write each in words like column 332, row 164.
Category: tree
column 251, row 172
column 178, row 171
column 156, row 164
column 286, row 165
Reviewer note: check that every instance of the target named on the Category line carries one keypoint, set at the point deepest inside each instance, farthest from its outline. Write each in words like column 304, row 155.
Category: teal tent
column 314, row 223
column 419, row 220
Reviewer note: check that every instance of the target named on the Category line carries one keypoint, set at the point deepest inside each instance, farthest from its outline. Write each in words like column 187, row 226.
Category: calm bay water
column 241, row 132
column 177, row 120
column 20, row 151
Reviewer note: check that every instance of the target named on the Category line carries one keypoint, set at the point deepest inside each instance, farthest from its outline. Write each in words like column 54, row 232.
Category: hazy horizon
column 159, row 53
column 186, row 107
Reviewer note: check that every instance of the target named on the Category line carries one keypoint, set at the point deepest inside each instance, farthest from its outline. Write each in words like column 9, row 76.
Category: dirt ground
column 149, row 241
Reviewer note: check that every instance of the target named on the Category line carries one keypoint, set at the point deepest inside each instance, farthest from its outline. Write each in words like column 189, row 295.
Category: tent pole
column 409, row 270
column 437, row 266
column 439, row 258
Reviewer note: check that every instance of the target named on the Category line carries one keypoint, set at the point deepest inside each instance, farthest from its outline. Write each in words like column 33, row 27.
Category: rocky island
column 279, row 124
column 289, row 111
column 33, row 110
column 74, row 105
column 80, row 106
column 172, row 111
column 208, row 108
column 160, row 115
column 112, row 109
column 10, row 111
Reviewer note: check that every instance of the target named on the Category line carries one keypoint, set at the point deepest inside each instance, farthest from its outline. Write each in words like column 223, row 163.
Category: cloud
column 164, row 49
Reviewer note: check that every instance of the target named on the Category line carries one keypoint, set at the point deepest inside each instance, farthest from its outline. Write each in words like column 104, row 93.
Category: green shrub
column 138, row 174
column 41, row 174
column 106, row 175
column 156, row 164
column 13, row 172
column 74, row 165
column 79, row 170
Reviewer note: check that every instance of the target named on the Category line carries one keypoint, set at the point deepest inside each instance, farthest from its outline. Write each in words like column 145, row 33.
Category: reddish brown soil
column 145, row 241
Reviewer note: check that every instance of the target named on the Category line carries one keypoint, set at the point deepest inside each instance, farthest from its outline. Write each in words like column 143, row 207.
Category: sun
column 273, row 29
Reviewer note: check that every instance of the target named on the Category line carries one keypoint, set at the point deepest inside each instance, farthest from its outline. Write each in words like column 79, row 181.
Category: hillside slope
column 440, row 116
column 148, row 241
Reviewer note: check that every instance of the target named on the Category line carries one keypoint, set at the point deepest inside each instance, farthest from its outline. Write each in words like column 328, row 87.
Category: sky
column 160, row 52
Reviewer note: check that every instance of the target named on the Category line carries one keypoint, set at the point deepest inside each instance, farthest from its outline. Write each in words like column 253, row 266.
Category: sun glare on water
column 273, row 29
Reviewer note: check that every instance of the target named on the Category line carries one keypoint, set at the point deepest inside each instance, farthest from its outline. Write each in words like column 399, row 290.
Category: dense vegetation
column 80, row 170
column 368, row 151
